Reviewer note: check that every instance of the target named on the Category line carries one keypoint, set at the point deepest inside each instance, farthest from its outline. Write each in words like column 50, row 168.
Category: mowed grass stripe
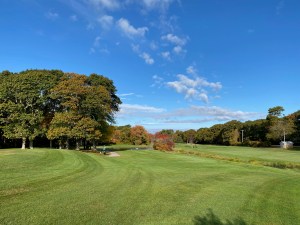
column 277, row 197
column 46, row 167
column 141, row 187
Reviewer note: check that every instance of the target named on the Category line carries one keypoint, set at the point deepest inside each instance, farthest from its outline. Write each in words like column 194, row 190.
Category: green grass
column 44, row 186
column 272, row 155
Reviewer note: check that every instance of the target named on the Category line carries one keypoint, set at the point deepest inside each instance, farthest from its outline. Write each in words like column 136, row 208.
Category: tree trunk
column 23, row 143
column 31, row 144
column 84, row 144
column 50, row 143
column 77, row 145
column 67, row 144
column 60, row 143
column 94, row 145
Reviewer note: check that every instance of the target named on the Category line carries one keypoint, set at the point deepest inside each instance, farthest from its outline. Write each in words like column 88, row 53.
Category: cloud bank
column 192, row 116
column 194, row 88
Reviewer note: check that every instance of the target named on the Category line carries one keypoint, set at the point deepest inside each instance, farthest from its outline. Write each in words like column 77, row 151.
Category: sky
column 177, row 64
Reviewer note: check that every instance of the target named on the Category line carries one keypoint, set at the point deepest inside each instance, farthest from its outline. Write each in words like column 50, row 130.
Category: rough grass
column 141, row 187
column 273, row 157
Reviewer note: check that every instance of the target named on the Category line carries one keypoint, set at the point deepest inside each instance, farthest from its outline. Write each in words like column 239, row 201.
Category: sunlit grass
column 140, row 187
column 246, row 153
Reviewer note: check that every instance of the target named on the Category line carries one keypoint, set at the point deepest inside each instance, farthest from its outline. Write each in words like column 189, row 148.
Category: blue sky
column 176, row 64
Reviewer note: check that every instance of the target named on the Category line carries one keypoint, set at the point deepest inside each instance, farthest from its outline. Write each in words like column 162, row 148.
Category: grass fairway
column 141, row 187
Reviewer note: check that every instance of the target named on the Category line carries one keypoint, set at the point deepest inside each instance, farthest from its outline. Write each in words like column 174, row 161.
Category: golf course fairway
column 47, row 186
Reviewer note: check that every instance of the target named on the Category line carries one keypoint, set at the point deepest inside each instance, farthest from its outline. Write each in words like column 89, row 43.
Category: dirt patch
column 113, row 154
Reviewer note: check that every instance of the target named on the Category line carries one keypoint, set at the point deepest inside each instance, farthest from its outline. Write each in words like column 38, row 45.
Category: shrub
column 163, row 142
column 256, row 143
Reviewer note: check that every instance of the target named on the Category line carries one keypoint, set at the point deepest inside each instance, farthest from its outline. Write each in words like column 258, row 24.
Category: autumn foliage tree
column 139, row 135
column 163, row 142
column 121, row 134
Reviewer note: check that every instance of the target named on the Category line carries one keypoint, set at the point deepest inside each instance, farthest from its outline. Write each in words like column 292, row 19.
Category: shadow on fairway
column 211, row 219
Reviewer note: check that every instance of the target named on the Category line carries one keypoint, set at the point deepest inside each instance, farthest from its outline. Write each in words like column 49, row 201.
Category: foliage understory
column 44, row 186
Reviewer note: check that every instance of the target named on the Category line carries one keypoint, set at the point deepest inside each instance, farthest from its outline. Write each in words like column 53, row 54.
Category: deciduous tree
column 23, row 103
column 139, row 135
column 163, row 142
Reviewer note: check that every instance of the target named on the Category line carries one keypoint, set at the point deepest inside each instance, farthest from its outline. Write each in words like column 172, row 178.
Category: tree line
column 64, row 108
column 274, row 128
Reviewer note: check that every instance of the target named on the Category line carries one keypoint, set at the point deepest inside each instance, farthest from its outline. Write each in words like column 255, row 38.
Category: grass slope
column 141, row 187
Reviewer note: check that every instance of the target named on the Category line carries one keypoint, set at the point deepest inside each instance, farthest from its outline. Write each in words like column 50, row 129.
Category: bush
column 256, row 143
column 163, row 142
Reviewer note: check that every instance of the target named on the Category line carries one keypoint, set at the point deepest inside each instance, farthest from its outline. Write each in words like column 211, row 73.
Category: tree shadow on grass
column 211, row 219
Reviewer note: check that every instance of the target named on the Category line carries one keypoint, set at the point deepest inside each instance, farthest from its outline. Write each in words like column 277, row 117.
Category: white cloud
column 280, row 6
column 178, row 42
column 221, row 113
column 90, row 26
column 203, row 97
column 153, row 46
column 74, row 18
column 194, row 88
column 166, row 55
column 104, row 50
column 129, row 30
column 52, row 15
column 136, row 109
column 205, row 114
column 191, row 70
column 158, row 81
column 97, row 47
column 161, row 5
column 174, row 39
column 105, row 4
column 193, row 116
column 106, row 21
column 92, row 50
column 126, row 94
column 97, row 41
column 178, row 50
column 135, row 48
column 148, row 59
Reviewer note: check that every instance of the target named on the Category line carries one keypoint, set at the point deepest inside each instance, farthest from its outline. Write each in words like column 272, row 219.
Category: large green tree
column 231, row 132
column 189, row 136
column 92, row 100
column 255, row 130
column 24, row 103
column 280, row 126
column 295, row 136
column 58, row 105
